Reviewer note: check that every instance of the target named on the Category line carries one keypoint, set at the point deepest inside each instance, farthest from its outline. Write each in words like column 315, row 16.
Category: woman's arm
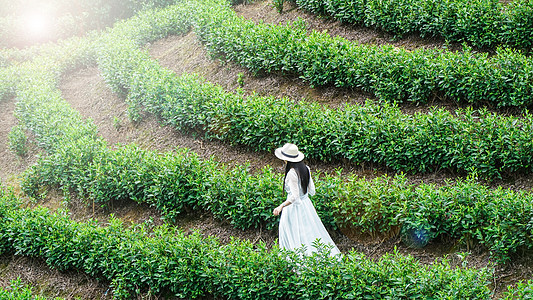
column 291, row 182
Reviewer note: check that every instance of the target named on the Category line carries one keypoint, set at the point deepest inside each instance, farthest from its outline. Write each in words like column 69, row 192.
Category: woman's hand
column 278, row 210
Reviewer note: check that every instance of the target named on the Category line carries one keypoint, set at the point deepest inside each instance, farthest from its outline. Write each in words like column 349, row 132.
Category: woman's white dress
column 299, row 223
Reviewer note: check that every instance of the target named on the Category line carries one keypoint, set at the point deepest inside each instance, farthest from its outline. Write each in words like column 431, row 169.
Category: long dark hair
column 302, row 171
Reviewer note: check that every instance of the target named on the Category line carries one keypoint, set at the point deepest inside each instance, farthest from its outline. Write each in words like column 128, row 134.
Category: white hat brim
column 282, row 156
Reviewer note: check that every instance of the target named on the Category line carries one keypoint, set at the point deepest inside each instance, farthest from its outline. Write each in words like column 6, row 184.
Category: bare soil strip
column 35, row 273
column 11, row 165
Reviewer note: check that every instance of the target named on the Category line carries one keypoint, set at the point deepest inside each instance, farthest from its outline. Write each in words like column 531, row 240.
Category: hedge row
column 392, row 74
column 80, row 161
column 464, row 141
column 179, row 182
column 191, row 104
column 482, row 23
column 166, row 262
column 173, row 183
column 468, row 212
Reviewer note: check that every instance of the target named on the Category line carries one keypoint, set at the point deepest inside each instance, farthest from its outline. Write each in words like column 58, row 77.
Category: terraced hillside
column 110, row 97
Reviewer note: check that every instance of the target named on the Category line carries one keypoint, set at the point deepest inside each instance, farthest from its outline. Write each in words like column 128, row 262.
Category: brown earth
column 11, row 165
column 86, row 91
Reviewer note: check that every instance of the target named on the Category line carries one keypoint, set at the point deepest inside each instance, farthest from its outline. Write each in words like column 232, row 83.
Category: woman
column 299, row 224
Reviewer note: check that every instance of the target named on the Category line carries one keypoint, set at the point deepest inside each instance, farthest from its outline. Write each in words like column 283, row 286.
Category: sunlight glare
column 37, row 24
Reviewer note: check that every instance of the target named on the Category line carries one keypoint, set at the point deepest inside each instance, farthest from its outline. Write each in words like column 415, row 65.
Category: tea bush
column 481, row 23
column 166, row 262
column 522, row 290
column 18, row 141
column 7, row 82
column 391, row 73
column 463, row 141
column 80, row 161
column 465, row 211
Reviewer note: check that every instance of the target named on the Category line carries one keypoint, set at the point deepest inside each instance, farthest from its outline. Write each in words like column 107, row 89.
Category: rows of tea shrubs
column 464, row 141
column 77, row 153
column 178, row 182
column 391, row 73
column 80, row 161
column 173, row 182
column 165, row 262
column 482, row 23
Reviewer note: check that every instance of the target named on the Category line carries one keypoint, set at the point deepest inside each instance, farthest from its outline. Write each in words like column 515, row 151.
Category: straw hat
column 289, row 152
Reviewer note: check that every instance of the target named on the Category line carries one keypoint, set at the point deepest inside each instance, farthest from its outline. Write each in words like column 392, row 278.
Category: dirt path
column 44, row 280
column 11, row 165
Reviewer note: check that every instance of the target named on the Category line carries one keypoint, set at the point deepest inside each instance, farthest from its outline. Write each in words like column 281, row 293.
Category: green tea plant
column 481, row 23
column 166, row 262
column 465, row 211
column 278, row 4
column 7, row 81
column 522, row 290
column 79, row 161
column 391, row 73
column 18, row 141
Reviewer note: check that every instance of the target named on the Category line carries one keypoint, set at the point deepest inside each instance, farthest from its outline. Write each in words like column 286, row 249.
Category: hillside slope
column 86, row 92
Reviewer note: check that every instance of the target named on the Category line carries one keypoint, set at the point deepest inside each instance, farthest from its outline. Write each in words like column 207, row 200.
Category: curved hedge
column 392, row 74
column 465, row 141
column 166, row 262
column 482, row 23
column 79, row 160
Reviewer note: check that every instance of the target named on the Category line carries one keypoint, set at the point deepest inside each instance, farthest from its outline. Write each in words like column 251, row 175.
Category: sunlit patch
column 37, row 24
